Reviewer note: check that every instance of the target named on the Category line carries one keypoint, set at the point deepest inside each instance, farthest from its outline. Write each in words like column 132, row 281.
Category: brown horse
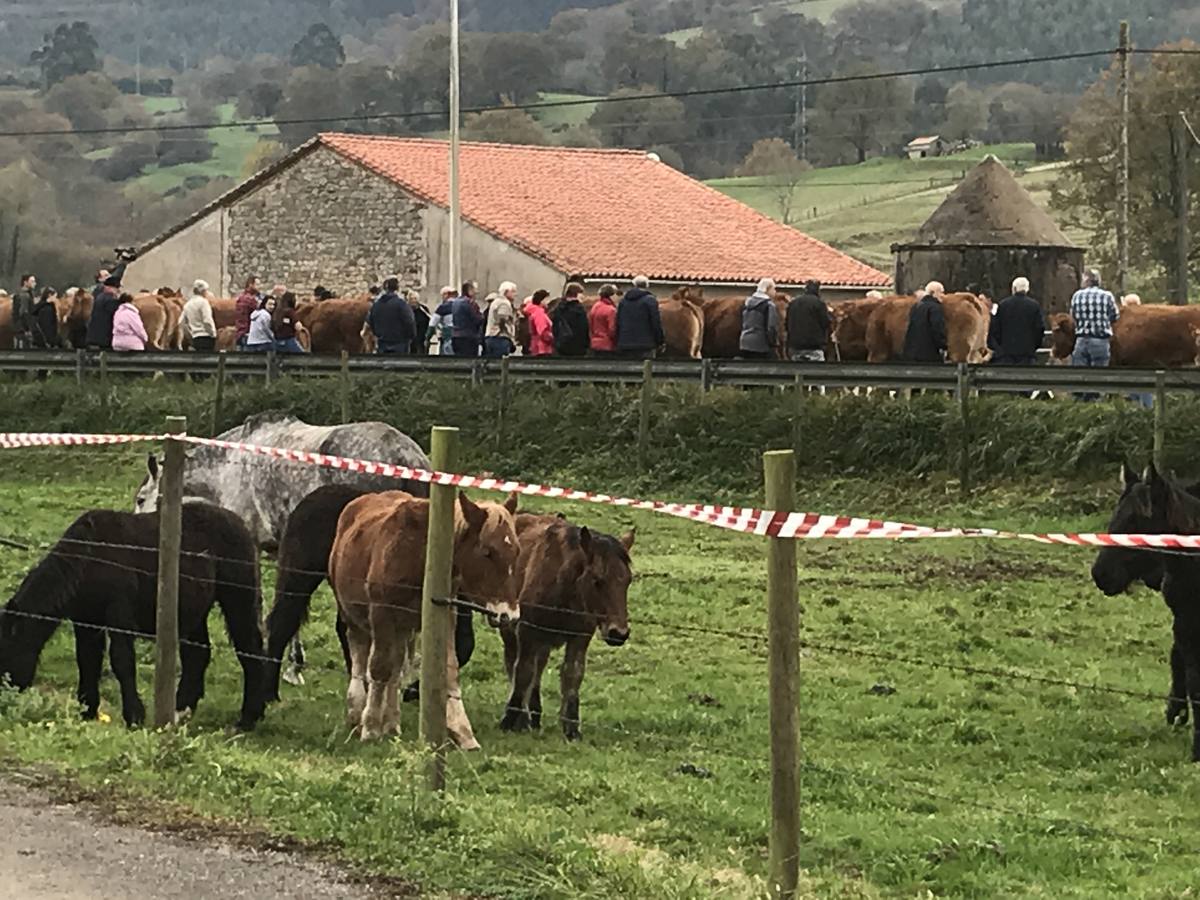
column 376, row 569
column 575, row 582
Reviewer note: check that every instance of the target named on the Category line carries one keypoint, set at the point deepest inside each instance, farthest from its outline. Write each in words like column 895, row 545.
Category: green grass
column 953, row 786
column 566, row 116
column 864, row 209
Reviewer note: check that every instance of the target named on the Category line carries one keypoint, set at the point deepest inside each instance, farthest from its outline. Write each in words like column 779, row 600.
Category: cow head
column 1062, row 337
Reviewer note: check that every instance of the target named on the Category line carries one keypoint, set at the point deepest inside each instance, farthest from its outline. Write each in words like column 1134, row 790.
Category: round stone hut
column 986, row 233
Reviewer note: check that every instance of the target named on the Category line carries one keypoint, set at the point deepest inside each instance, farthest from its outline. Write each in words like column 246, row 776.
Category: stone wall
column 324, row 220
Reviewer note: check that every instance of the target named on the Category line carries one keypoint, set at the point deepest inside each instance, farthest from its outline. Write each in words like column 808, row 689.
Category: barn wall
column 178, row 261
column 328, row 221
column 486, row 260
column 1053, row 273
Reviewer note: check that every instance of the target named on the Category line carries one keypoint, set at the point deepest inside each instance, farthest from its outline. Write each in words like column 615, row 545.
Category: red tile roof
column 607, row 213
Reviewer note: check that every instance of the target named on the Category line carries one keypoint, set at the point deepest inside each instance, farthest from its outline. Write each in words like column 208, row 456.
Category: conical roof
column 990, row 209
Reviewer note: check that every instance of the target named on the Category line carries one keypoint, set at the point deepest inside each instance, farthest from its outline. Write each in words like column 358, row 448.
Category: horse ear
column 585, row 540
column 471, row 512
column 152, row 465
column 627, row 539
column 1128, row 476
column 512, row 502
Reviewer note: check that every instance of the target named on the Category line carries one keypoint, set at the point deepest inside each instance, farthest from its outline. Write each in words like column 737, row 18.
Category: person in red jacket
column 602, row 322
column 541, row 331
column 244, row 307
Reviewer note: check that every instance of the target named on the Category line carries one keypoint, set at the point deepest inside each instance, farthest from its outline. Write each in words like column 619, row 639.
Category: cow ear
column 152, row 465
column 1128, row 476
column 474, row 515
column 627, row 539
column 512, row 502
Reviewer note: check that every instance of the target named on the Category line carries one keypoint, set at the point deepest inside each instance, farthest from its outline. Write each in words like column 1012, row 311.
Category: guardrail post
column 219, row 395
column 476, row 373
column 344, row 386
column 964, row 394
column 436, row 620
column 644, row 414
column 783, row 630
column 271, row 362
column 1160, row 419
column 170, row 540
column 502, row 404
column 80, row 365
column 705, row 376
column 104, row 372
column 798, row 414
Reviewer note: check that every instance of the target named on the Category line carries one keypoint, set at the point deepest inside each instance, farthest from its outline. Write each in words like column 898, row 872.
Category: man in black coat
column 1018, row 328
column 392, row 322
column 925, row 340
column 104, row 307
column 808, row 324
column 639, row 322
column 570, row 323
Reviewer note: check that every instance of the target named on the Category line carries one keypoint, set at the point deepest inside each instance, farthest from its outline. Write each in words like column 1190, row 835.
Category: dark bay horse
column 377, row 568
column 264, row 491
column 574, row 583
column 1156, row 504
column 303, row 563
column 102, row 575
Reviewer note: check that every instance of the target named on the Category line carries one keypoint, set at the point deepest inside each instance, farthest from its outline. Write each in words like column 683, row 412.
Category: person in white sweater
column 198, row 322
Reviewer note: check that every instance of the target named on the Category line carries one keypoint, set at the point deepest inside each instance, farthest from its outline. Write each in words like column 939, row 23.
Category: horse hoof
column 183, row 715
column 572, row 734
column 468, row 744
column 293, row 677
column 1177, row 713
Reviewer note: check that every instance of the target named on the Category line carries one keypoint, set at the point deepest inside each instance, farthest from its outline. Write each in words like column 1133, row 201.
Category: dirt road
column 54, row 852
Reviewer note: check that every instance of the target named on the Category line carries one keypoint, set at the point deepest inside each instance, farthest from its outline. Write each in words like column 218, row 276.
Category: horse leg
column 380, row 668
column 89, row 659
column 242, row 611
column 535, row 694
column 464, row 648
column 295, row 670
column 293, row 594
column 194, row 656
column 124, row 667
column 340, row 627
column 457, row 724
column 1187, row 636
column 358, row 641
column 1177, row 703
column 508, row 635
column 571, row 675
column 516, row 713
column 401, row 652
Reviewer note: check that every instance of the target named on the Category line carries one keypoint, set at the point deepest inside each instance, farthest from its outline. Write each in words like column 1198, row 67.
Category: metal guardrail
column 705, row 373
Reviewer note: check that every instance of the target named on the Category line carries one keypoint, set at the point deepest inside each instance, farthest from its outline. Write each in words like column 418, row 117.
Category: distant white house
column 924, row 147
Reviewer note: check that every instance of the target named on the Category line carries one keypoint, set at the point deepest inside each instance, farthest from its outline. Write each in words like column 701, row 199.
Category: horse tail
column 239, row 596
column 303, row 562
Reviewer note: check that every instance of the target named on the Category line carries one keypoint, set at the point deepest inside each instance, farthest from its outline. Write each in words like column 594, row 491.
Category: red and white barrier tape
column 801, row 526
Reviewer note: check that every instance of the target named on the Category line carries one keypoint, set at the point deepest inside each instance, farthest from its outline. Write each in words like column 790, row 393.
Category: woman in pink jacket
column 128, row 331
column 541, row 332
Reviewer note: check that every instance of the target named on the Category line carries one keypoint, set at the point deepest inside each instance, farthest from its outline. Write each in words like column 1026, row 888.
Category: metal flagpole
column 456, row 277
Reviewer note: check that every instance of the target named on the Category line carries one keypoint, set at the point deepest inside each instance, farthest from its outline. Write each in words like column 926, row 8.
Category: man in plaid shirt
column 1094, row 311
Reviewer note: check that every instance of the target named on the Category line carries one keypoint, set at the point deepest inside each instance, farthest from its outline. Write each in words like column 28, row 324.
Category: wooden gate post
column 170, row 540
column 643, row 445
column 219, row 396
column 436, row 618
column 344, row 387
column 783, row 630
column 1160, row 419
column 964, row 463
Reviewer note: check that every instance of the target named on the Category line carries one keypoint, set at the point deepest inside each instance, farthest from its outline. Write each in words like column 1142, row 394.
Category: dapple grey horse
column 263, row 490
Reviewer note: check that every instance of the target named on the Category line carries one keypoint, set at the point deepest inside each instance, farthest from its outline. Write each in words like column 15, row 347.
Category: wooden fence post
column 797, row 414
column 344, row 387
column 1160, row 419
column 170, row 539
column 103, row 372
column 783, row 630
column 219, row 395
column 644, row 414
column 964, row 463
column 437, row 620
column 80, row 363
column 502, row 404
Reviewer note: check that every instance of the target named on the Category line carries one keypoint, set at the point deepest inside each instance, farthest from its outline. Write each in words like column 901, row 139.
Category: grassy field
column 916, row 780
column 566, row 116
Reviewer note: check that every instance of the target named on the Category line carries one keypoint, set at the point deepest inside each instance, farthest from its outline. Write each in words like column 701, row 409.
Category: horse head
column 485, row 556
column 1117, row 568
column 146, row 498
column 603, row 585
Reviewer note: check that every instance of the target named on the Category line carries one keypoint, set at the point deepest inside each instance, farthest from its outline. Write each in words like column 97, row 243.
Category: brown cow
column 574, row 582
column 683, row 324
column 1146, row 336
column 172, row 302
column 6, row 329
column 376, row 569
column 848, row 332
column 335, row 325
column 156, row 317
column 723, row 326
column 967, row 321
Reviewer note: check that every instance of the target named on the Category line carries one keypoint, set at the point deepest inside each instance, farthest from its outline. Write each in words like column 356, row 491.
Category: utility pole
column 1123, row 165
column 456, row 275
column 1181, row 140
column 800, row 123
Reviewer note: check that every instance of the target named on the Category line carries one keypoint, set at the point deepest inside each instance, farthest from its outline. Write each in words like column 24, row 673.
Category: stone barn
column 344, row 211
column 985, row 234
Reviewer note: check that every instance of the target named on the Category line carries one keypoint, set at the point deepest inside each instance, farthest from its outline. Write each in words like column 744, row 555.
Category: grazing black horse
column 303, row 563
column 102, row 576
column 1156, row 504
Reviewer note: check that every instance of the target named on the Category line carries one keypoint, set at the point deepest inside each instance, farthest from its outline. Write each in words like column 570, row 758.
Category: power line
column 565, row 104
